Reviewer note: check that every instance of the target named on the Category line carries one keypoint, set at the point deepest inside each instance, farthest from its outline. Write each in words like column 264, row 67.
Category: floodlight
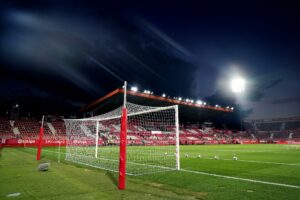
column 204, row 103
column 179, row 98
column 232, row 108
column 163, row 95
column 134, row 89
column 217, row 106
column 17, row 105
column 192, row 101
column 148, row 92
column 237, row 85
column 199, row 102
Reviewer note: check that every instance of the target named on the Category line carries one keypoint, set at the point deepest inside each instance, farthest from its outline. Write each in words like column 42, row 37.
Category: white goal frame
column 160, row 159
column 97, row 121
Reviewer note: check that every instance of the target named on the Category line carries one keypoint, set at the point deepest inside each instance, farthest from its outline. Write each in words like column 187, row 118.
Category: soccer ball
column 199, row 156
column 216, row 158
column 186, row 155
column 166, row 153
column 235, row 158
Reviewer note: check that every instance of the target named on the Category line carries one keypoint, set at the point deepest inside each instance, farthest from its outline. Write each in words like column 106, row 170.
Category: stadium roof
column 188, row 112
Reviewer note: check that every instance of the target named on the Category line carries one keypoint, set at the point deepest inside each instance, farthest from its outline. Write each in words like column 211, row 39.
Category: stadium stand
column 276, row 129
column 5, row 129
column 283, row 130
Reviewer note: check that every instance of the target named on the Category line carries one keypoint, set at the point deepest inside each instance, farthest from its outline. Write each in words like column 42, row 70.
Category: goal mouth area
column 151, row 140
column 155, row 169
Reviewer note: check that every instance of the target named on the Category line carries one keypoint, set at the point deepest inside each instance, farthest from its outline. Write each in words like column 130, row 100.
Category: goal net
column 152, row 140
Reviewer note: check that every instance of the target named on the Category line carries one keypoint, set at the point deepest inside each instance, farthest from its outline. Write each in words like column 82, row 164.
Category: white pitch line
column 242, row 179
column 243, row 151
column 255, row 161
column 267, row 162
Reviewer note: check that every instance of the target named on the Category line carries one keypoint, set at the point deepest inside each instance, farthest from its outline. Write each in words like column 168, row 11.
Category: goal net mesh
column 151, row 140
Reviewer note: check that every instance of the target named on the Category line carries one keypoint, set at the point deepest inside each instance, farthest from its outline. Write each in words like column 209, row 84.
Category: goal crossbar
column 129, row 115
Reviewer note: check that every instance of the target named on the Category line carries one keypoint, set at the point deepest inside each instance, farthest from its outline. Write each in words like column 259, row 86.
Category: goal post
column 96, row 139
column 123, row 138
column 132, row 139
column 177, row 138
column 152, row 140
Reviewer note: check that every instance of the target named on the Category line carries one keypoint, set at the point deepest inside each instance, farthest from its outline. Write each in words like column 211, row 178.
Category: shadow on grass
column 113, row 177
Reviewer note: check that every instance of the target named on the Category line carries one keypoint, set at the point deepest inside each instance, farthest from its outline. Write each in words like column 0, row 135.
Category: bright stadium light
column 232, row 108
column 237, row 85
column 204, row 103
column 148, row 92
column 216, row 105
column 192, row 101
column 134, row 89
column 199, row 102
column 163, row 95
column 179, row 98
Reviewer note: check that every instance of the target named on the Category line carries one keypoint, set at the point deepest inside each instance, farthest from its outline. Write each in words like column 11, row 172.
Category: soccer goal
column 151, row 144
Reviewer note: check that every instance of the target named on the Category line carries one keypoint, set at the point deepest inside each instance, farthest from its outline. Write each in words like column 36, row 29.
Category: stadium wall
column 52, row 143
column 45, row 143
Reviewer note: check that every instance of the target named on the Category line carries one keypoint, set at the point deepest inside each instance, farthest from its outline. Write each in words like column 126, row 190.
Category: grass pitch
column 261, row 172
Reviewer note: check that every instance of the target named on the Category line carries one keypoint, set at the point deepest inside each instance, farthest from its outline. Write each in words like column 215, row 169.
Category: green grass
column 271, row 163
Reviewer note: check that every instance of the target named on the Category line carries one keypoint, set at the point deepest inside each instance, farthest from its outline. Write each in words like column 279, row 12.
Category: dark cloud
column 80, row 59
column 257, row 91
column 272, row 83
column 255, row 95
column 286, row 100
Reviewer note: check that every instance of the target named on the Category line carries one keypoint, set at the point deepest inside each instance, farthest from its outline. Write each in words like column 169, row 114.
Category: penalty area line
column 241, row 179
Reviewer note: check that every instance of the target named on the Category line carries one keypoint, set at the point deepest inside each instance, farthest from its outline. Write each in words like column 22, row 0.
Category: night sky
column 57, row 56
